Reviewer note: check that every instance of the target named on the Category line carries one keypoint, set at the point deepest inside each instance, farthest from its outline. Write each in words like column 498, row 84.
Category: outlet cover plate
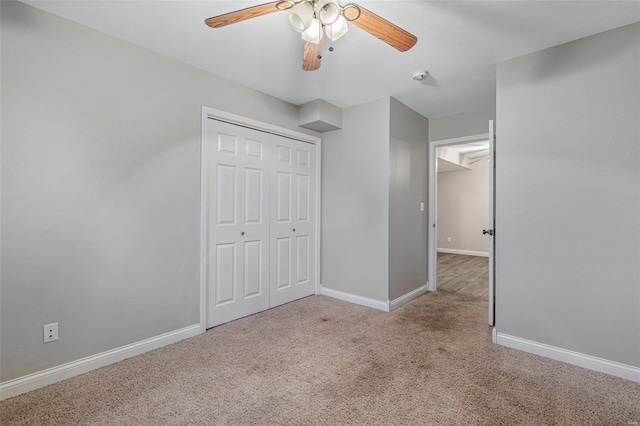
column 51, row 332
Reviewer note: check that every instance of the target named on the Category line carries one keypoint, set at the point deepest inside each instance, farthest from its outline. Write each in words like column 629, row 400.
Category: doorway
column 462, row 154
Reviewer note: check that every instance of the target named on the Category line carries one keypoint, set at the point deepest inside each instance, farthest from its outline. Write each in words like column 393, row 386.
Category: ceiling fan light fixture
column 313, row 34
column 337, row 29
column 301, row 16
column 327, row 11
column 351, row 12
column 313, row 19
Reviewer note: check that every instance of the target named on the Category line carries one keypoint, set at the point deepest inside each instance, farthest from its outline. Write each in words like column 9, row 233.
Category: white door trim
column 433, row 198
column 211, row 113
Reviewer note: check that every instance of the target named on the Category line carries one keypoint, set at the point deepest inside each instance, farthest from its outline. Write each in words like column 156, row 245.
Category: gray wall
column 408, row 187
column 374, row 176
column 463, row 208
column 355, row 202
column 465, row 124
column 100, row 187
column 568, row 204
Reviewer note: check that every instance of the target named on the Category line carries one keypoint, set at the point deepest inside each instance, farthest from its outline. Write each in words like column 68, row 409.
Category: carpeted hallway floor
column 320, row 361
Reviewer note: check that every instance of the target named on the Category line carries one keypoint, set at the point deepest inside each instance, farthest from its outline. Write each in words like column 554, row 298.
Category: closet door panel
column 237, row 192
column 253, row 267
column 293, row 220
column 260, row 220
column 283, row 263
column 302, row 256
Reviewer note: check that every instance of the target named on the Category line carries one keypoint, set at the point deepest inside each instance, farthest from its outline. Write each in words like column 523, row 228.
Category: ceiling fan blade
column 312, row 56
column 248, row 13
column 390, row 33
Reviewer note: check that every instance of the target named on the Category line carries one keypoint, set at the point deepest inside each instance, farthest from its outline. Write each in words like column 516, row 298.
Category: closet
column 259, row 195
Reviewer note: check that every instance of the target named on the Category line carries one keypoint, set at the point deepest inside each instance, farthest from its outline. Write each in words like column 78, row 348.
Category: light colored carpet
column 323, row 361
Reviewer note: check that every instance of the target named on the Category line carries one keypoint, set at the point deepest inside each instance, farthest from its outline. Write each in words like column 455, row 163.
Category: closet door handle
column 242, row 233
column 294, row 229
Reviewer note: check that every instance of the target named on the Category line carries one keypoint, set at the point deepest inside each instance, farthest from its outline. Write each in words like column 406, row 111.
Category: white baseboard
column 396, row 303
column 570, row 357
column 354, row 298
column 464, row 252
column 374, row 303
column 52, row 375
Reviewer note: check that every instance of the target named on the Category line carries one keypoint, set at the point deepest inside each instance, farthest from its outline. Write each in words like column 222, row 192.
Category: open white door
column 490, row 231
column 433, row 198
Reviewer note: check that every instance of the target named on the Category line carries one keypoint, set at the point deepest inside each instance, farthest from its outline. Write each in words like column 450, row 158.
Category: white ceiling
column 459, row 43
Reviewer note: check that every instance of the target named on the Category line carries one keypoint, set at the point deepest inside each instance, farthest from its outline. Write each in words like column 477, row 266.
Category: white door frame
column 492, row 223
column 211, row 113
column 433, row 198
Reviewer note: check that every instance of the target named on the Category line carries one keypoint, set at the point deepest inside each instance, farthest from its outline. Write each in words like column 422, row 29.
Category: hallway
column 461, row 274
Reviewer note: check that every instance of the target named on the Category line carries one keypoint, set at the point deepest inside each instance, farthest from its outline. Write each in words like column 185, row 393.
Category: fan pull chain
column 320, row 38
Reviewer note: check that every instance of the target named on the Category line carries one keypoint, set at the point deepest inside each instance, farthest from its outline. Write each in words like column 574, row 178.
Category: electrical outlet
column 51, row 332
column 448, row 239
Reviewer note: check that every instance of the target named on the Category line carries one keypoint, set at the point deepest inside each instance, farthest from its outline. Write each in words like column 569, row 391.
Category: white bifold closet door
column 292, row 224
column 260, row 220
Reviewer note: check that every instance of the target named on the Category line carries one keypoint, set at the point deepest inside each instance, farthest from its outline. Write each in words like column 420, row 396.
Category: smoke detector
column 420, row 75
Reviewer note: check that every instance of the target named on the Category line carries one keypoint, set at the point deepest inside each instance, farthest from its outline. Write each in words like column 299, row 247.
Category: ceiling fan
column 311, row 17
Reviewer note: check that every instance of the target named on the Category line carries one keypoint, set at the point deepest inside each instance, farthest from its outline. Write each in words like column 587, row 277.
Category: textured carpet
column 323, row 361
